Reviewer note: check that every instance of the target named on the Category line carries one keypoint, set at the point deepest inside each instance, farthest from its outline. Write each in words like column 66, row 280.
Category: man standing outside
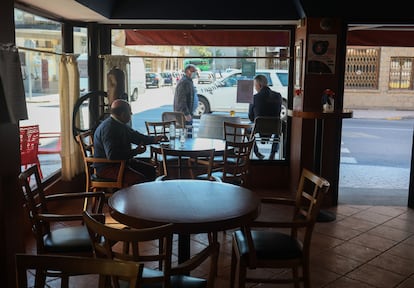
column 113, row 139
column 184, row 96
column 266, row 102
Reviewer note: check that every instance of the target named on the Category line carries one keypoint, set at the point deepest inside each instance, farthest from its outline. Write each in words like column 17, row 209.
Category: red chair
column 29, row 147
column 54, row 138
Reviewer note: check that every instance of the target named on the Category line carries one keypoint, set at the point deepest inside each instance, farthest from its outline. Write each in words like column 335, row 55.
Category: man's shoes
column 259, row 155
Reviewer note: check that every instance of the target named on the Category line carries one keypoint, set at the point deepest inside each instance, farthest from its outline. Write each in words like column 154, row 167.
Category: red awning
column 380, row 38
column 208, row 37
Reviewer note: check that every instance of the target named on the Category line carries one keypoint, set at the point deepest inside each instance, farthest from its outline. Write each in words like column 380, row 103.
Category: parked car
column 222, row 94
column 153, row 79
column 206, row 77
column 168, row 78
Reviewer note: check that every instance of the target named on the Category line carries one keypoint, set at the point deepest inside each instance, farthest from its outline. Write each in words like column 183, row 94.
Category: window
column 224, row 62
column 401, row 73
column 362, row 68
column 40, row 71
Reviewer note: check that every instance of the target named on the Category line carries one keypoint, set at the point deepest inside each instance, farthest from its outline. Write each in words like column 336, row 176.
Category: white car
column 221, row 95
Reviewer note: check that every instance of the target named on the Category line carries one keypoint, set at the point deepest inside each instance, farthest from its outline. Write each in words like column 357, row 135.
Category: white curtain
column 72, row 163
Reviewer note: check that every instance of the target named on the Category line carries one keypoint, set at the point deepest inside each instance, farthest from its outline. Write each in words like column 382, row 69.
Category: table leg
column 183, row 247
column 323, row 216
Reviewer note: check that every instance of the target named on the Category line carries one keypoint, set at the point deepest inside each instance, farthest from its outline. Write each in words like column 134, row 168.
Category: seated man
column 266, row 102
column 113, row 139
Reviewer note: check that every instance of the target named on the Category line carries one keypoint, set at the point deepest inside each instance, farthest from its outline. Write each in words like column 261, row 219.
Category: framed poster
column 321, row 54
column 298, row 63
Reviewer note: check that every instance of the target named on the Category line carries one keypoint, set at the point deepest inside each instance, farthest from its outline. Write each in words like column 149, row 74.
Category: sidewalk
column 383, row 114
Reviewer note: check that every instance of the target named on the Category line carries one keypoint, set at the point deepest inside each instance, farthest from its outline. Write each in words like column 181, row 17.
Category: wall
column 382, row 98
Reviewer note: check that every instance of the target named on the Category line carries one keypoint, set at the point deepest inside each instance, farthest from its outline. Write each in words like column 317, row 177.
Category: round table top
column 197, row 143
column 194, row 206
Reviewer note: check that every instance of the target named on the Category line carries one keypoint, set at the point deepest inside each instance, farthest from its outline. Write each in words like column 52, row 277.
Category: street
column 375, row 161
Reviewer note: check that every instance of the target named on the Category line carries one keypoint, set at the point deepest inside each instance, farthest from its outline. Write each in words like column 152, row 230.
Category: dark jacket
column 113, row 139
column 265, row 103
column 184, row 96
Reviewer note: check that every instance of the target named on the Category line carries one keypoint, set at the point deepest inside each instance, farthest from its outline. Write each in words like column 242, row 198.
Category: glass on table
column 183, row 136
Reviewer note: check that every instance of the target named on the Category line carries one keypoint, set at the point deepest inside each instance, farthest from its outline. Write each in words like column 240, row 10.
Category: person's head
column 260, row 81
column 121, row 110
column 190, row 71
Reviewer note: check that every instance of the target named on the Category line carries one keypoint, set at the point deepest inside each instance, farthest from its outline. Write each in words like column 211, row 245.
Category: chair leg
column 232, row 268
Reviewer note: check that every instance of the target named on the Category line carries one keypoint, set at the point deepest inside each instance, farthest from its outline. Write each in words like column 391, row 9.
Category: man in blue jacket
column 113, row 139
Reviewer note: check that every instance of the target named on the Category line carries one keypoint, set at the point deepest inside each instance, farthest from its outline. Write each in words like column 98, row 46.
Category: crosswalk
column 345, row 158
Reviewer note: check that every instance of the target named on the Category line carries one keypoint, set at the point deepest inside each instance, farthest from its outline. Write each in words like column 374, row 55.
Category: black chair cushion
column 177, row 281
column 73, row 239
column 270, row 245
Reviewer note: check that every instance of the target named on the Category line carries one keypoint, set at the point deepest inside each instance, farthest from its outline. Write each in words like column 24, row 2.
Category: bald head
column 121, row 110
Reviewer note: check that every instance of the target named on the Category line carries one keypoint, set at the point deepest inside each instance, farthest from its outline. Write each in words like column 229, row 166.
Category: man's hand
column 140, row 149
column 160, row 138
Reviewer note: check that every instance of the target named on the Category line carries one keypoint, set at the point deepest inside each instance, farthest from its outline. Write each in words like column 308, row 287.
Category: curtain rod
column 44, row 51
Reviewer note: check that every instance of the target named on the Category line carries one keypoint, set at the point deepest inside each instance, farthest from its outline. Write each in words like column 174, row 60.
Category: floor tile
column 376, row 276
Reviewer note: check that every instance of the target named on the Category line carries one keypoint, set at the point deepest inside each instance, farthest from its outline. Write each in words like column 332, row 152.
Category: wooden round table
column 193, row 206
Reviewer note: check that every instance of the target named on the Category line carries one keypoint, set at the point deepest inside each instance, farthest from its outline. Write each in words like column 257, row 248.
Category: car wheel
column 203, row 107
column 283, row 111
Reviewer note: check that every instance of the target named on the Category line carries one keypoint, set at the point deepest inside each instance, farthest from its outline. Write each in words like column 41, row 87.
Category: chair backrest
column 236, row 161
column 237, row 132
column 265, row 126
column 34, row 203
column 128, row 244
column 76, row 266
column 178, row 117
column 85, row 141
column 187, row 164
column 158, row 128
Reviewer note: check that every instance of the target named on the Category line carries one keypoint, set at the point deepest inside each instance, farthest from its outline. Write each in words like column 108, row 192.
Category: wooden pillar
column 323, row 44
column 11, row 211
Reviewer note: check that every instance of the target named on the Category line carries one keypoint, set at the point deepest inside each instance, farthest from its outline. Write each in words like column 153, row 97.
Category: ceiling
column 220, row 12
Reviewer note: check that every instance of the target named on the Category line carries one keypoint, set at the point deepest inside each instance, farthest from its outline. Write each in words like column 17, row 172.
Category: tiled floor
column 366, row 246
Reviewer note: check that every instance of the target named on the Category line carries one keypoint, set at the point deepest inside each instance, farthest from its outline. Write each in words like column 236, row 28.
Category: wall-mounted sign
column 321, row 54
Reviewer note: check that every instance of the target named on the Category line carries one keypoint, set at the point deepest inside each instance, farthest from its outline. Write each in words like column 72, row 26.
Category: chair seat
column 270, row 245
column 177, row 281
column 230, row 179
column 73, row 239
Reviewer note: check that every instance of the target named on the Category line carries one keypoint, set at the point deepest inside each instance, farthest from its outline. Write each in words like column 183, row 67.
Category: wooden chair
column 233, row 132
column 46, row 223
column 269, row 130
column 260, row 246
column 138, row 245
column 93, row 181
column 187, row 164
column 129, row 272
column 155, row 129
column 179, row 119
column 29, row 147
column 236, row 162
column 237, row 132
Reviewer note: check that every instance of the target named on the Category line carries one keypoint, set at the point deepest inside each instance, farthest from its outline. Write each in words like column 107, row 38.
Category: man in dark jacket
column 266, row 102
column 185, row 95
column 113, row 139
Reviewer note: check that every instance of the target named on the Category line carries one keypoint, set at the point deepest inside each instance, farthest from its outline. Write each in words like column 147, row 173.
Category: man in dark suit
column 266, row 102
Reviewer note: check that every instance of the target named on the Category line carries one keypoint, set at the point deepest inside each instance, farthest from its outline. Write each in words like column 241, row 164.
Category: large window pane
column 39, row 41
column 220, row 68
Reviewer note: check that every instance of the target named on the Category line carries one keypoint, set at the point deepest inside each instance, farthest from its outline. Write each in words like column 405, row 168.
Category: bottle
column 172, row 132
